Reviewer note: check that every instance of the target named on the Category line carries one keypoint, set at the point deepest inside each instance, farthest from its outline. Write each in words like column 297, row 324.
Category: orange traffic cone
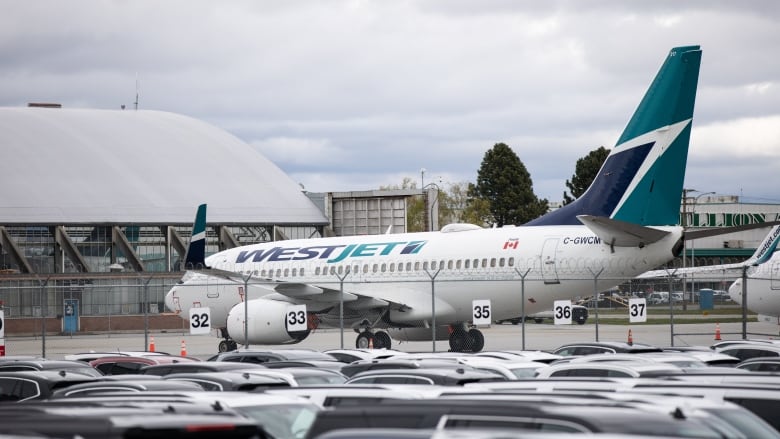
column 183, row 349
column 630, row 337
column 151, row 344
column 371, row 342
column 717, row 331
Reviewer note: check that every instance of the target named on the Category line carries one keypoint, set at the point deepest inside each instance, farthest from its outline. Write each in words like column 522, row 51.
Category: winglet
column 196, row 251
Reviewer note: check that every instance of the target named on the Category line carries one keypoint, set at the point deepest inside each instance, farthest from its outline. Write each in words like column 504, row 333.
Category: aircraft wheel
column 476, row 340
column 223, row 346
column 364, row 340
column 382, row 340
column 458, row 340
column 232, row 345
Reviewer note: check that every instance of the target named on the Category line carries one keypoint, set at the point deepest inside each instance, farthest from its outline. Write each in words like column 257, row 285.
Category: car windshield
column 284, row 421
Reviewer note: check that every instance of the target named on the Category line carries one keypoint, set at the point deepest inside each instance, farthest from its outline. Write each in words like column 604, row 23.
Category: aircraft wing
column 709, row 271
column 318, row 297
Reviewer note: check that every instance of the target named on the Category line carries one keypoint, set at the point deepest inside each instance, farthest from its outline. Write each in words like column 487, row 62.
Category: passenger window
column 449, row 264
column 467, row 264
column 286, row 272
column 316, row 271
column 458, row 264
column 511, row 262
column 365, row 268
column 392, row 267
column 493, row 262
column 408, row 266
column 501, row 262
column 294, row 272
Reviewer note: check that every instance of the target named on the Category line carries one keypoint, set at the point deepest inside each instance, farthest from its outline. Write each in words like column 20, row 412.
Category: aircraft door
column 774, row 275
column 214, row 286
column 549, row 269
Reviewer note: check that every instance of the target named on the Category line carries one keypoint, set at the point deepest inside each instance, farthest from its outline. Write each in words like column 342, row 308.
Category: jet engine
column 267, row 323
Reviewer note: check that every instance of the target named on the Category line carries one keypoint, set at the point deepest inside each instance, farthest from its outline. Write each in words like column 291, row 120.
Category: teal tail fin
column 641, row 181
column 196, row 251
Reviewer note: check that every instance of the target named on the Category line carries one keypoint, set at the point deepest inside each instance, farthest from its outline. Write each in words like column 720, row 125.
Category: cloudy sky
column 352, row 95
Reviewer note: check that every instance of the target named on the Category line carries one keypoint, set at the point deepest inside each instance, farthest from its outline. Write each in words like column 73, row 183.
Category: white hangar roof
column 79, row 166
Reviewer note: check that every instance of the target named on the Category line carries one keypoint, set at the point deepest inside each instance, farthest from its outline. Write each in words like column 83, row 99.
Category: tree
column 585, row 172
column 504, row 182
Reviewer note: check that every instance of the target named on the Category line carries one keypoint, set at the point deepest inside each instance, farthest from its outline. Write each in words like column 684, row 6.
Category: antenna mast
column 136, row 91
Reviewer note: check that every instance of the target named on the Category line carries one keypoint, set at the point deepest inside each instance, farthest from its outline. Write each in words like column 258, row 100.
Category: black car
column 99, row 387
column 93, row 419
column 760, row 364
column 430, row 376
column 265, row 356
column 29, row 385
column 604, row 347
column 196, row 367
column 229, row 381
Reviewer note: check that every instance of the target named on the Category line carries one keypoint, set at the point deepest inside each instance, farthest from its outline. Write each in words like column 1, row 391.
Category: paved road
column 498, row 337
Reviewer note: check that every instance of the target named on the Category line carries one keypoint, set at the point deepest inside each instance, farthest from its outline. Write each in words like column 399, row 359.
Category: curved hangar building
column 99, row 190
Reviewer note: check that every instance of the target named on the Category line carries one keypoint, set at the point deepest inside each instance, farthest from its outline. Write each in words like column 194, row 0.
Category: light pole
column 433, row 204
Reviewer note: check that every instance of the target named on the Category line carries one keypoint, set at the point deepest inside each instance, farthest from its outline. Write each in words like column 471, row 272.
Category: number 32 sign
column 200, row 320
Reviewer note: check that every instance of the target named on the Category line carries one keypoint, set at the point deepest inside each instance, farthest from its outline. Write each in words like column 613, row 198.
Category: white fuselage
column 763, row 288
column 556, row 262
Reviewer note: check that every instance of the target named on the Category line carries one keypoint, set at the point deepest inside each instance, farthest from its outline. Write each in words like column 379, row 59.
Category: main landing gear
column 368, row 339
column 463, row 339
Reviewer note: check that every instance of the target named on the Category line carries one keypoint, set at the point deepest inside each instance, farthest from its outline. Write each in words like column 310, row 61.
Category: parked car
column 196, row 367
column 604, row 347
column 761, row 364
column 55, row 365
column 751, row 350
column 265, row 356
column 101, row 387
column 28, row 385
column 126, row 364
column 429, row 376
column 617, row 369
column 229, row 381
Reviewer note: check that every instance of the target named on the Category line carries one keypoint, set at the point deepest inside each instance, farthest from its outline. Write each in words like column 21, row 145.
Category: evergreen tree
column 504, row 182
column 585, row 172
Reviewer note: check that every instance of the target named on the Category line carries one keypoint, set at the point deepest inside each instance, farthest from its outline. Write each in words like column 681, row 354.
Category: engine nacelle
column 267, row 323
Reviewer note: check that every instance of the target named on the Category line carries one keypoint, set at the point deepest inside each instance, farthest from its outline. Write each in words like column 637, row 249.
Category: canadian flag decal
column 511, row 243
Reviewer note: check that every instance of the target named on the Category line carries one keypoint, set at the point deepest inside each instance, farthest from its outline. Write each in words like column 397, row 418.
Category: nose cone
column 735, row 291
column 172, row 301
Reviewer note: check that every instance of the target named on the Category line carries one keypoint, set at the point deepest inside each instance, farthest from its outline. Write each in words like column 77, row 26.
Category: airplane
column 423, row 286
column 761, row 273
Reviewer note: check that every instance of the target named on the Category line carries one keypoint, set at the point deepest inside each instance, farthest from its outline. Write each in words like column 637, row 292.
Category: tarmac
column 497, row 337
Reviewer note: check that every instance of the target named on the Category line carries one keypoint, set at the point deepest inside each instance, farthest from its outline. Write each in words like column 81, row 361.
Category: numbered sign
column 481, row 312
column 200, row 320
column 562, row 312
column 296, row 318
column 637, row 310
column 2, row 324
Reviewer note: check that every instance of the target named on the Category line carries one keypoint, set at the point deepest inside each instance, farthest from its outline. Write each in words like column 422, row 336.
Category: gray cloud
column 351, row 95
